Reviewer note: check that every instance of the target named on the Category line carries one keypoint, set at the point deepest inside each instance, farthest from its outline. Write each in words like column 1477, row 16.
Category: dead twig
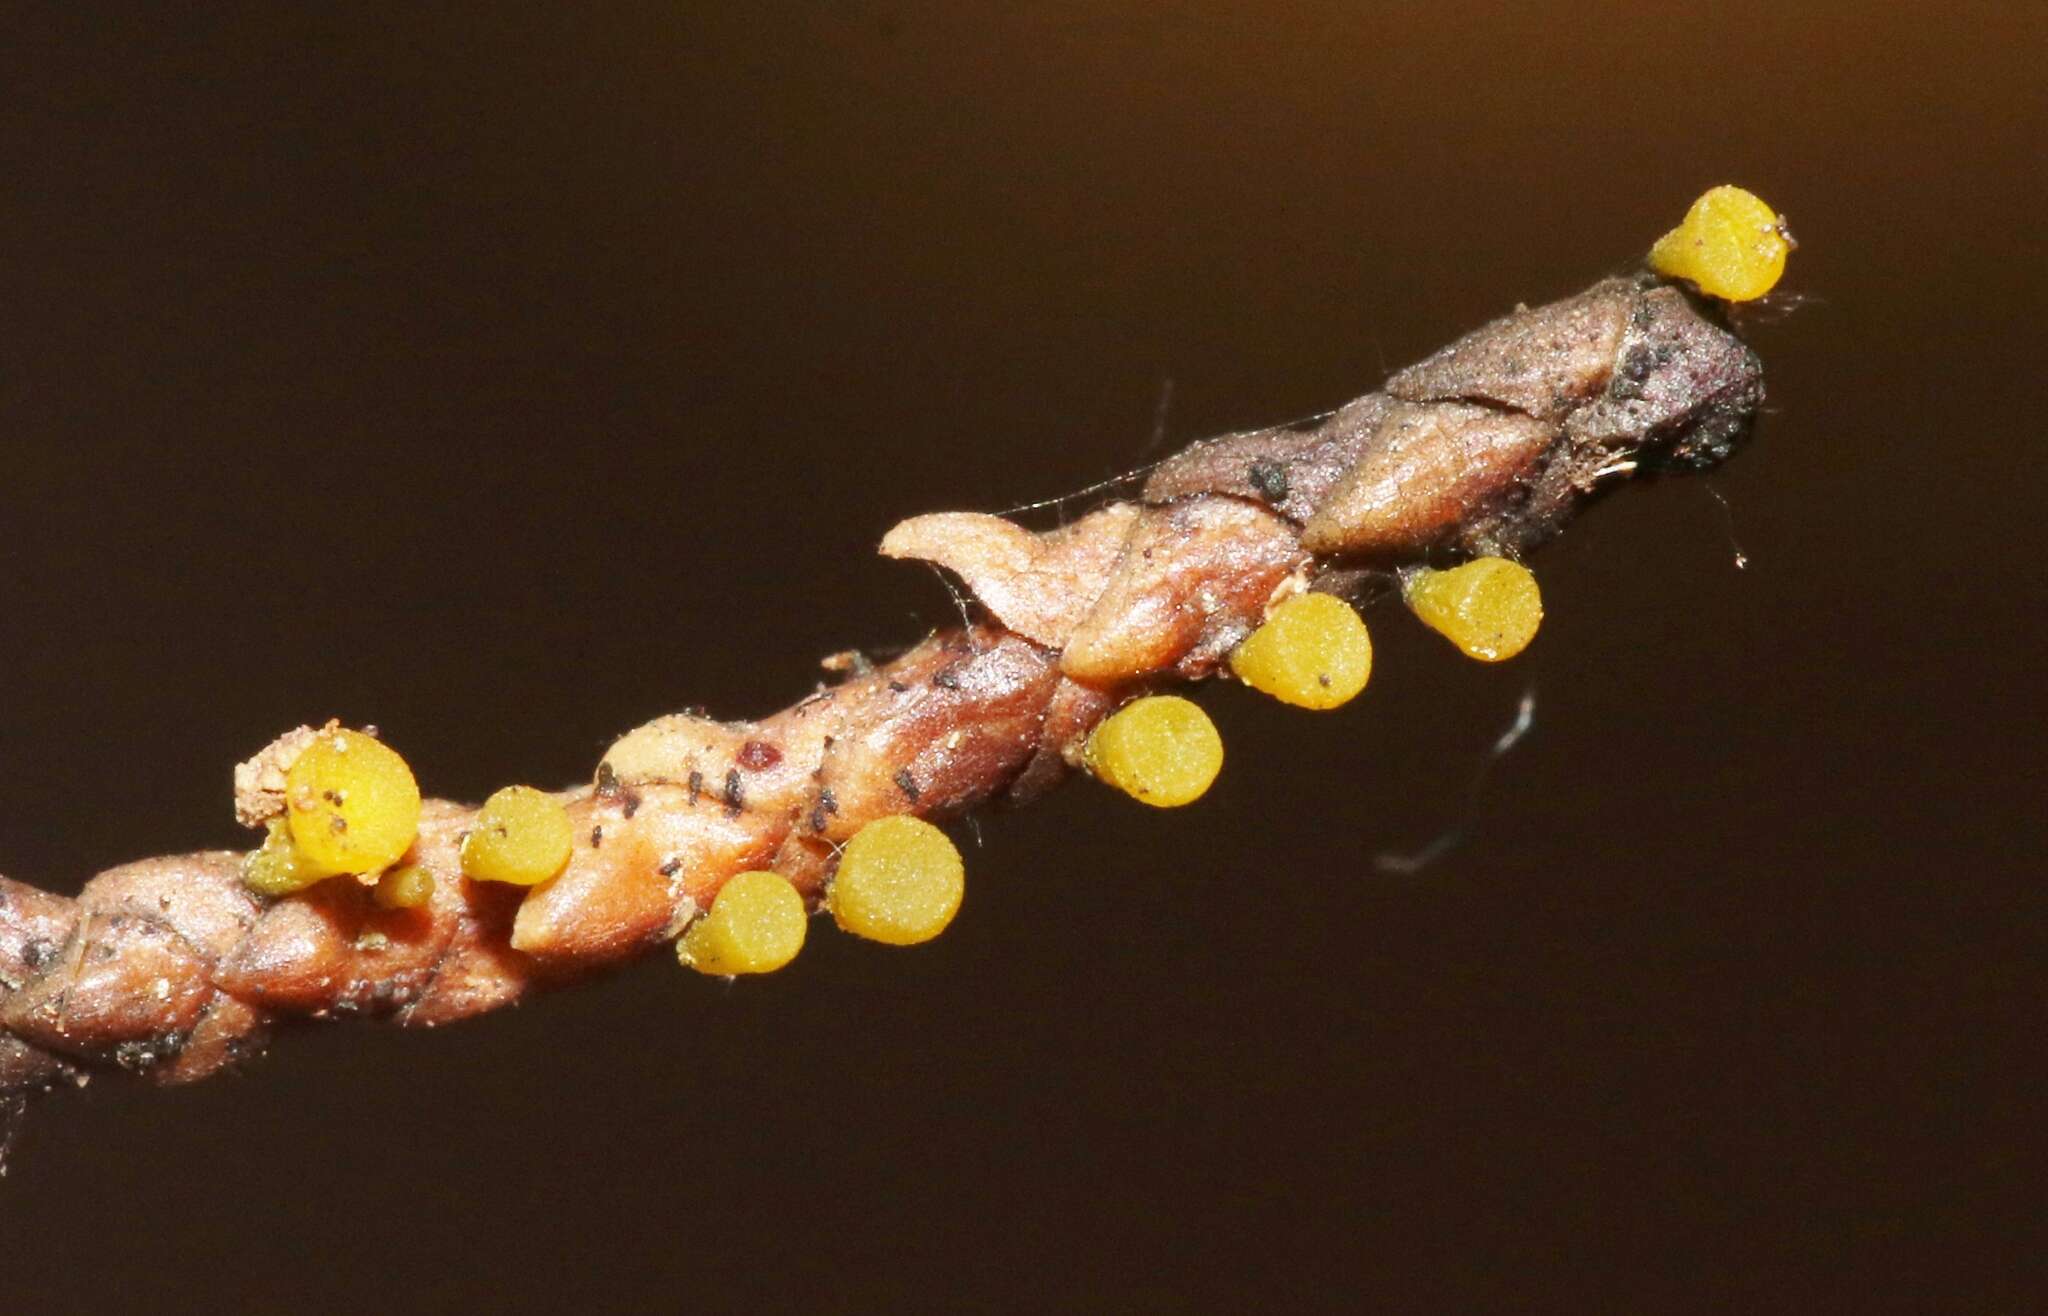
column 174, row 967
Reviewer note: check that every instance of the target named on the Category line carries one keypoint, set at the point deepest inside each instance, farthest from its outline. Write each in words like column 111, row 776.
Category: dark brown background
column 505, row 375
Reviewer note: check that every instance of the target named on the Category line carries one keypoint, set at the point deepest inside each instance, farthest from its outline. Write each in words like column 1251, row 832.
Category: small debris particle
column 897, row 687
column 946, row 679
column 907, row 784
column 607, row 781
column 136, row 1056
column 631, row 805
column 848, row 662
column 827, row 804
column 1270, row 479
column 735, row 794
column 1627, row 383
column 696, row 786
column 597, row 837
column 758, row 756
column 672, row 867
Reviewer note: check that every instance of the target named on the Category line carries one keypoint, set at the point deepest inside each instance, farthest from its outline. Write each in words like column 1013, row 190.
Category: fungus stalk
column 1242, row 556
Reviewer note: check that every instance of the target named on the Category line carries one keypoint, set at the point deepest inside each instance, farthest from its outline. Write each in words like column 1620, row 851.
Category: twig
column 173, row 967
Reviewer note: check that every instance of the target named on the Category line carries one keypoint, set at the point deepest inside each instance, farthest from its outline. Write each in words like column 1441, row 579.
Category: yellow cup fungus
column 1489, row 607
column 352, row 805
column 1160, row 750
column 408, row 887
column 756, row 925
column 275, row 869
column 1731, row 245
column 899, row 882
column 1313, row 652
column 522, row 836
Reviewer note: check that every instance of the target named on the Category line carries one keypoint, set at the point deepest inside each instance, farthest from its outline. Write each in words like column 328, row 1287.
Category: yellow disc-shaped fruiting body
column 1160, row 750
column 522, row 836
column 1489, row 607
column 352, row 803
column 276, row 869
column 899, row 881
column 408, row 887
column 756, row 925
column 1730, row 244
column 1313, row 652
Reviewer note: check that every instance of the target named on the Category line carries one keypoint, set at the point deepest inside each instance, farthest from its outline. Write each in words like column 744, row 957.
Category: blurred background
column 507, row 375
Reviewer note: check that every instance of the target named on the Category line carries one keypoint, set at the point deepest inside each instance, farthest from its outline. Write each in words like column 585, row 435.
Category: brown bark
column 173, row 967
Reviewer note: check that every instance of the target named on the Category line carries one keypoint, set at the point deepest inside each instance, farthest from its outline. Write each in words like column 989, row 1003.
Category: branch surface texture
column 174, row 967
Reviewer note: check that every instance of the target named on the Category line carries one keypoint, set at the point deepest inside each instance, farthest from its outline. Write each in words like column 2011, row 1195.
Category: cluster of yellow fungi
column 352, row 806
column 1312, row 651
column 899, row 882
